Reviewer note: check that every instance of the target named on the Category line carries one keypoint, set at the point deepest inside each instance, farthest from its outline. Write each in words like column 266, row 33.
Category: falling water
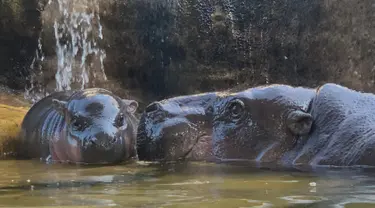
column 77, row 32
column 228, row 4
column 34, row 92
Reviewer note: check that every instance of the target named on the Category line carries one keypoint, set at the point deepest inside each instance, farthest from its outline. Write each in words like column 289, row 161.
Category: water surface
column 33, row 184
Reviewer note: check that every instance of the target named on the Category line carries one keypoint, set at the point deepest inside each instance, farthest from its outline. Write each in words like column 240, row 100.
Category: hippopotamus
column 331, row 125
column 343, row 133
column 261, row 123
column 89, row 126
column 177, row 128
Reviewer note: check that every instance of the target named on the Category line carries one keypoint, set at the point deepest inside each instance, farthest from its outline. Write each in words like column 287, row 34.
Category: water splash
column 77, row 32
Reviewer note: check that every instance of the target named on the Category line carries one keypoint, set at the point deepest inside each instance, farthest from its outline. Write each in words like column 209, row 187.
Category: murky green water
column 32, row 184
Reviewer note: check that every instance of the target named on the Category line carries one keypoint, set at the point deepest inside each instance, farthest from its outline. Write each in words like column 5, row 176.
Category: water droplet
column 312, row 184
column 313, row 190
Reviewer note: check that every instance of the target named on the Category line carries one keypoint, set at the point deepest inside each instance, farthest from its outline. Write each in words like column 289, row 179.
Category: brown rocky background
column 163, row 48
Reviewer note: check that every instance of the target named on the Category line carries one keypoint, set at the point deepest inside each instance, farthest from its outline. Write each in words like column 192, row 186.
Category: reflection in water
column 28, row 183
column 302, row 199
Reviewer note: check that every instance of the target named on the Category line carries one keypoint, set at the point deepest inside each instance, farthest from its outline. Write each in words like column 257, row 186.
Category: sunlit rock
column 12, row 110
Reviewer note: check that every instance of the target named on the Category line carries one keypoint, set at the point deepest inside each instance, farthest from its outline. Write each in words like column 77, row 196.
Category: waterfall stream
column 77, row 33
column 34, row 92
column 79, row 58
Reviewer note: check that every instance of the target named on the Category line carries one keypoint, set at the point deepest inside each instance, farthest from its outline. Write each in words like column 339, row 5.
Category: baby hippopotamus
column 261, row 123
column 90, row 126
column 177, row 128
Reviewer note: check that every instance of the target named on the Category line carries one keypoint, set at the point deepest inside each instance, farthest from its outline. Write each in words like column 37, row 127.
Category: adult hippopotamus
column 333, row 125
column 177, row 128
column 344, row 129
column 261, row 123
column 91, row 126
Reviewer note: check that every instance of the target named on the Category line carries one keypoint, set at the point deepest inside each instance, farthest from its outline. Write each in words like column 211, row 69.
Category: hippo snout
column 103, row 140
column 104, row 148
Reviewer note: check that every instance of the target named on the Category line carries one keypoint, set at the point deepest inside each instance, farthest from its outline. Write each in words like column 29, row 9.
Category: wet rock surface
column 163, row 48
column 20, row 28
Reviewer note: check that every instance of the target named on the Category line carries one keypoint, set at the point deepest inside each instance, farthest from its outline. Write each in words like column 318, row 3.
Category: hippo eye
column 78, row 124
column 210, row 110
column 120, row 120
column 236, row 108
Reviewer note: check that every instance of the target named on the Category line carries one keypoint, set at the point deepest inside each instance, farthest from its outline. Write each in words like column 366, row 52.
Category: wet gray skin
column 261, row 123
column 178, row 128
column 344, row 129
column 91, row 126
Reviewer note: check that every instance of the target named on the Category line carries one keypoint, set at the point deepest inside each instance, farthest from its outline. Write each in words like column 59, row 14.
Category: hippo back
column 343, row 132
column 34, row 143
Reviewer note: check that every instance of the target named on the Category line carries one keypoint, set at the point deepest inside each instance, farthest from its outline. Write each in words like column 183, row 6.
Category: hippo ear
column 59, row 106
column 299, row 122
column 131, row 105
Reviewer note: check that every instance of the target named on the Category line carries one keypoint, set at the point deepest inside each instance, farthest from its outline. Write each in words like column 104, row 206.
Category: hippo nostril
column 153, row 107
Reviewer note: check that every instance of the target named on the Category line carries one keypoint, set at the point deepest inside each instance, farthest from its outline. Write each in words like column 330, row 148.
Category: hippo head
column 176, row 129
column 99, row 127
column 260, row 123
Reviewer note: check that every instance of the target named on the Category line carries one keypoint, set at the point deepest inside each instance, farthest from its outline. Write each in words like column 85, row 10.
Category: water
column 32, row 184
column 77, row 32
column 79, row 55
column 35, row 90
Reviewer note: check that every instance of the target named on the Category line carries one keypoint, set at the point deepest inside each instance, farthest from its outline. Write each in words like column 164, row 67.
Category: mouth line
column 183, row 157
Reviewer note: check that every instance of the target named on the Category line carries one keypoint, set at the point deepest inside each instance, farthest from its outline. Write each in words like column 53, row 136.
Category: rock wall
column 163, row 48
column 20, row 28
